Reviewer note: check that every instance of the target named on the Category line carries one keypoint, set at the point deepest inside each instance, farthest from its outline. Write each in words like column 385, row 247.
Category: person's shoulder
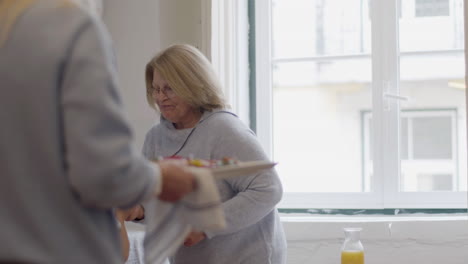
column 61, row 8
column 152, row 133
column 226, row 122
column 53, row 26
column 60, row 19
column 154, row 130
column 223, row 118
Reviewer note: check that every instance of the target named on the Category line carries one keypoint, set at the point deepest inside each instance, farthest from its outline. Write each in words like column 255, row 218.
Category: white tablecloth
column 136, row 255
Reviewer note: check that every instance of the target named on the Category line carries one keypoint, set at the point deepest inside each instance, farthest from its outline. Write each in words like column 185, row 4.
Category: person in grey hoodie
column 182, row 86
column 66, row 155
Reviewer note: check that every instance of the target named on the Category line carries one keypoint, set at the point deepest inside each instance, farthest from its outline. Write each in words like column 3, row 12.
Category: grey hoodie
column 254, row 233
column 66, row 157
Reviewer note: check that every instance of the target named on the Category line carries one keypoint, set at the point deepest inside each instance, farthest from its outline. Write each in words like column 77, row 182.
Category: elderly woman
column 182, row 86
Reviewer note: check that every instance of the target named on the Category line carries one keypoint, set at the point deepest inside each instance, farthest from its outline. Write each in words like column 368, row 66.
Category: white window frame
column 224, row 41
column 386, row 108
column 465, row 12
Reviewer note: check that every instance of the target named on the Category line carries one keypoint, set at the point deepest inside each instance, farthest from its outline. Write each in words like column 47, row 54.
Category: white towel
column 167, row 224
column 136, row 247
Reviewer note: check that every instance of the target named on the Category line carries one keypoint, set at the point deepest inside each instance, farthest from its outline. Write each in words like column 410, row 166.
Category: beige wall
column 139, row 29
column 180, row 22
column 134, row 31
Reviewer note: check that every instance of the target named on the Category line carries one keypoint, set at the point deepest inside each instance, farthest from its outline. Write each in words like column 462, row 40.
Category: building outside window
column 428, row 150
column 367, row 105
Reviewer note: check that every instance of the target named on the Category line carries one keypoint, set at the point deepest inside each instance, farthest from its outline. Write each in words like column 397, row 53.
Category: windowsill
column 372, row 215
column 310, row 218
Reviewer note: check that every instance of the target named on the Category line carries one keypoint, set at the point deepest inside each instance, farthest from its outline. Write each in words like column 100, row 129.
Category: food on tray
column 226, row 167
column 205, row 163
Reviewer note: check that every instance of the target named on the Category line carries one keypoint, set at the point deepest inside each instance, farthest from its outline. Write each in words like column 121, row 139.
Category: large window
column 361, row 106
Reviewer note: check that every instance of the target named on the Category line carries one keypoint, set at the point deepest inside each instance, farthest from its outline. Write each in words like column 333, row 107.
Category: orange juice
column 352, row 257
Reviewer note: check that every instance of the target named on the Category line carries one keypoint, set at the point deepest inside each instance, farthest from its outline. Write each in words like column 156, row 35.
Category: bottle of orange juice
column 352, row 251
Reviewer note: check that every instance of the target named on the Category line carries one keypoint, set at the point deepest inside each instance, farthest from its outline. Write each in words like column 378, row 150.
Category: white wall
column 386, row 240
column 139, row 31
column 134, row 29
column 180, row 22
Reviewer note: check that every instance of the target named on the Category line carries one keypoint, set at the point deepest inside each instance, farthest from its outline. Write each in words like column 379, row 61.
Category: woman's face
column 172, row 107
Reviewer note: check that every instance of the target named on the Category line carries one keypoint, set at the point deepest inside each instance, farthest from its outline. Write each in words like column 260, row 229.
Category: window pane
column 427, row 161
column 367, row 135
column 307, row 28
column 434, row 182
column 317, row 124
column 431, row 25
column 404, row 138
column 318, row 102
column 432, row 8
column 432, row 71
column 432, row 138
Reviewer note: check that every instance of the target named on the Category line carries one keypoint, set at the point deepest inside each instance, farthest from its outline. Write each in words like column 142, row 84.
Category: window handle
column 396, row 96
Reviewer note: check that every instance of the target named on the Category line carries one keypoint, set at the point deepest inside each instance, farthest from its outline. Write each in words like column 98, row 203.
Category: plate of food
column 227, row 167
column 241, row 168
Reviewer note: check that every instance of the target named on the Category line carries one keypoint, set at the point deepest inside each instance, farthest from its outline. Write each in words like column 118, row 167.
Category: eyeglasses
column 167, row 91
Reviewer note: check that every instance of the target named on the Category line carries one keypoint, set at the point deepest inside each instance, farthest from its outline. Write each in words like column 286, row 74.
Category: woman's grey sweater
column 254, row 234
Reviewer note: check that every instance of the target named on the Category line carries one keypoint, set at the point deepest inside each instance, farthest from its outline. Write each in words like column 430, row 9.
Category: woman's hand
column 132, row 214
column 177, row 181
column 194, row 238
column 124, row 242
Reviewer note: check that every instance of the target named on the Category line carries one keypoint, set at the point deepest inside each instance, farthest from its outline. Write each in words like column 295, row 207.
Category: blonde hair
column 10, row 10
column 189, row 74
